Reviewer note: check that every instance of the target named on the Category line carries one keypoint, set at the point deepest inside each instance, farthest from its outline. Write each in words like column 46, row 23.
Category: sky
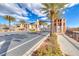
column 72, row 16
column 30, row 12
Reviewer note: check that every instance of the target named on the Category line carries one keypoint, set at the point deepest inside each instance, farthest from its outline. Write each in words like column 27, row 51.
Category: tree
column 5, row 26
column 40, row 22
column 10, row 19
column 43, row 23
column 22, row 22
column 52, row 10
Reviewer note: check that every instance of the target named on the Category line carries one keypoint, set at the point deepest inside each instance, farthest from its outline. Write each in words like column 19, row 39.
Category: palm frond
column 9, row 18
column 45, row 5
column 55, row 7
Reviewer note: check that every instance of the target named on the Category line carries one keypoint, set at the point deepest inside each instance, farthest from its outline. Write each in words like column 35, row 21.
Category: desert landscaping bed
column 50, row 47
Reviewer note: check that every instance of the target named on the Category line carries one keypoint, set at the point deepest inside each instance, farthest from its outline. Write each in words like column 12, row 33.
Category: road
column 18, row 43
column 68, row 45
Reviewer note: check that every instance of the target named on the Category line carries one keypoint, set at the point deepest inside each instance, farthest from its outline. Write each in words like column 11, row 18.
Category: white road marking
column 21, row 44
column 1, row 43
column 36, row 46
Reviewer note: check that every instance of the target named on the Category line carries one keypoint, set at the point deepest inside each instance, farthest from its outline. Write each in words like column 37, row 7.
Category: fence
column 73, row 34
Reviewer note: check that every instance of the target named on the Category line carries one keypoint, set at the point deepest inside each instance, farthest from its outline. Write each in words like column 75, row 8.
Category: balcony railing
column 73, row 34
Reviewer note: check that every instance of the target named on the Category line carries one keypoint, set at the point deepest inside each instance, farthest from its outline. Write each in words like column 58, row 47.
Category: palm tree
column 22, row 22
column 10, row 19
column 5, row 26
column 52, row 10
column 42, row 23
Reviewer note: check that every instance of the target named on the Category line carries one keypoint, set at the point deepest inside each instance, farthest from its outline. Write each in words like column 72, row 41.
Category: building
column 20, row 27
column 34, row 26
column 59, row 25
column 74, row 29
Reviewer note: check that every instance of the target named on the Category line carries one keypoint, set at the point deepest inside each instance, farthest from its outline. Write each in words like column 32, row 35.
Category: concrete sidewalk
column 68, row 46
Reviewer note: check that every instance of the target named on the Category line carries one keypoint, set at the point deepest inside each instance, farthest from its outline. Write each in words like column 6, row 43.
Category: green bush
column 32, row 30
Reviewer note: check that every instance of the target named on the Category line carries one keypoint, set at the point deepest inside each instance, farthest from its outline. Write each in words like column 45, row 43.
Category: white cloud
column 9, row 8
column 19, row 17
column 2, row 14
column 45, row 18
column 70, row 5
column 12, row 10
column 63, row 12
column 35, row 8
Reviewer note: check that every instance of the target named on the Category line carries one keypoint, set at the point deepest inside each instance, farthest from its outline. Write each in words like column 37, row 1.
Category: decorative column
column 57, row 26
column 27, row 27
column 38, row 29
column 62, row 26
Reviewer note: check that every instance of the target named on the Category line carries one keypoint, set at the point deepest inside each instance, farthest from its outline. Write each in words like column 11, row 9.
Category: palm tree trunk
column 52, row 23
column 51, row 28
column 9, row 24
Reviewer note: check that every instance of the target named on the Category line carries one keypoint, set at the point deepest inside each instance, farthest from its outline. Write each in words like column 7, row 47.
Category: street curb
column 35, row 47
column 59, row 45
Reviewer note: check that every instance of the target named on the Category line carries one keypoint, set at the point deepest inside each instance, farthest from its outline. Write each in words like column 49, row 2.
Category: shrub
column 32, row 30
column 51, row 48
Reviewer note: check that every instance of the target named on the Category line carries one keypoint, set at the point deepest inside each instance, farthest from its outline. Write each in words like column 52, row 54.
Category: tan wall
column 60, row 25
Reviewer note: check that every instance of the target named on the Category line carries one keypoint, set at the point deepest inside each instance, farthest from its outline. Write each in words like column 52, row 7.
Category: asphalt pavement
column 18, row 43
